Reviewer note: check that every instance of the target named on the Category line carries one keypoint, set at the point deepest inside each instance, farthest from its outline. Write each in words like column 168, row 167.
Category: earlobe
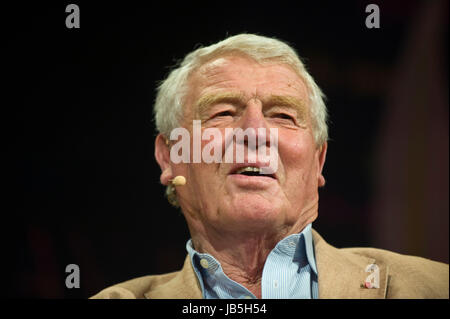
column 162, row 155
column 321, row 181
column 322, row 155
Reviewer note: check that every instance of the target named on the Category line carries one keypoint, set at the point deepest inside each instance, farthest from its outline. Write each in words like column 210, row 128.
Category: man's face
column 236, row 92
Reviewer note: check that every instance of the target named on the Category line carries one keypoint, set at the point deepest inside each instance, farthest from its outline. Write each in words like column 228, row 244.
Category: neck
column 242, row 255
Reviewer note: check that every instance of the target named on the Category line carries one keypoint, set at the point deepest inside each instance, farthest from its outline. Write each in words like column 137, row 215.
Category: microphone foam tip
column 179, row 180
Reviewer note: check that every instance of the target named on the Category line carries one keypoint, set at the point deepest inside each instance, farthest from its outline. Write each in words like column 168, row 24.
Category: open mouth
column 252, row 171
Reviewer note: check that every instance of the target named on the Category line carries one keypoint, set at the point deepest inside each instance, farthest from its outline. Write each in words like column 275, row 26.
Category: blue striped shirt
column 289, row 272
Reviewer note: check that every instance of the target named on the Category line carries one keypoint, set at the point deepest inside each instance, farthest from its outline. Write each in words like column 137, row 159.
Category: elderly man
column 251, row 225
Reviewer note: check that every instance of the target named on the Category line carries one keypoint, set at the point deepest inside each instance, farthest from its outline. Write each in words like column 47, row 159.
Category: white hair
column 171, row 92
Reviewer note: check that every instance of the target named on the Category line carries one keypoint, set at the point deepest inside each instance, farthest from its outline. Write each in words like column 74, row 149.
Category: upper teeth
column 247, row 169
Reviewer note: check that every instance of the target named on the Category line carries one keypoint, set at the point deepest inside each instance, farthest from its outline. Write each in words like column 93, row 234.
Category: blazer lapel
column 341, row 274
column 184, row 285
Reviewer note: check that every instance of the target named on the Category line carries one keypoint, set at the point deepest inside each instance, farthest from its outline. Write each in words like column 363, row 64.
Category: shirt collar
column 309, row 245
column 289, row 245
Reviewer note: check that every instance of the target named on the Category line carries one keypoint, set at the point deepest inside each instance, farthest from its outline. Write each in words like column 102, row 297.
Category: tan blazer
column 341, row 273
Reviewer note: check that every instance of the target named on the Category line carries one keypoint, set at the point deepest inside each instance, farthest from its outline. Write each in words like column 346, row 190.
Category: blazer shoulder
column 410, row 276
column 182, row 284
column 134, row 288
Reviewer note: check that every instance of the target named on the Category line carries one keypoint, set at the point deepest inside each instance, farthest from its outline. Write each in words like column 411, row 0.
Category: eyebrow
column 287, row 101
column 215, row 98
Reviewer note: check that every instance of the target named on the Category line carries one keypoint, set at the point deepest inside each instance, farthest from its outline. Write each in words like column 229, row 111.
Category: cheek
column 179, row 169
column 294, row 149
column 212, row 145
column 297, row 153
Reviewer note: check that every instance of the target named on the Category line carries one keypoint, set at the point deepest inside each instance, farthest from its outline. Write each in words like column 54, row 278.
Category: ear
column 162, row 155
column 322, row 155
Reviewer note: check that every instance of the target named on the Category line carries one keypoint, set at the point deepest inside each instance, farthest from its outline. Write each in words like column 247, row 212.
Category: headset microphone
column 178, row 180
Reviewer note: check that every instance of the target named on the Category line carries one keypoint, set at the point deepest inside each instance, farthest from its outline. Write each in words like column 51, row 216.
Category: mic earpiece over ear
column 178, row 180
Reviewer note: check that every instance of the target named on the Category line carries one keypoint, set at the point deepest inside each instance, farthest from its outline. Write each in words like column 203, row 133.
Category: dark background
column 82, row 185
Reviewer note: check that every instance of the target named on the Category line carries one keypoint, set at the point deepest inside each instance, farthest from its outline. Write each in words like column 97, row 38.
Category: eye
column 223, row 113
column 284, row 116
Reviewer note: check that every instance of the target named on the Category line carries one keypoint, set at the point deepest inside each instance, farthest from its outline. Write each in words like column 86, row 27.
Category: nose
column 253, row 116
column 252, row 121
